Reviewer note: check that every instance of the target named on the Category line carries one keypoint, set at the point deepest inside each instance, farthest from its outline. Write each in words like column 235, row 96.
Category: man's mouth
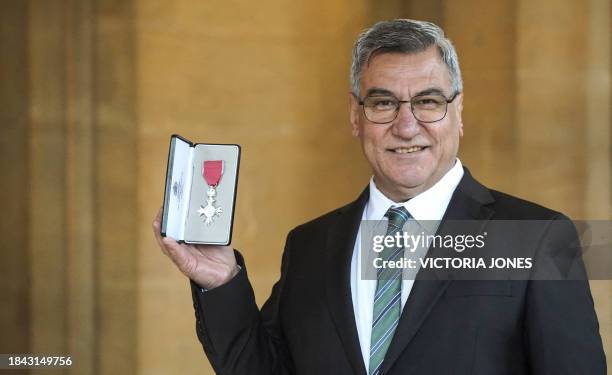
column 407, row 150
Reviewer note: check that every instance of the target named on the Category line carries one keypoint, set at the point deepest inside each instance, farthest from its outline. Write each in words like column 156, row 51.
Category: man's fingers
column 157, row 232
column 157, row 220
column 201, row 263
column 176, row 252
column 194, row 251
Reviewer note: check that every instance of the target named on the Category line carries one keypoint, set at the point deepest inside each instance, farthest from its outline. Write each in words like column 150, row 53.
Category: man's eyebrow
column 431, row 90
column 377, row 91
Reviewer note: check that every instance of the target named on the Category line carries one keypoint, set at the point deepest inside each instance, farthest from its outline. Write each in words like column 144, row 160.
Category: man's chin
column 409, row 181
column 402, row 189
column 410, row 189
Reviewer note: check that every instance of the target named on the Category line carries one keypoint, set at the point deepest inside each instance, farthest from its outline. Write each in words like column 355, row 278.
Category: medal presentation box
column 200, row 195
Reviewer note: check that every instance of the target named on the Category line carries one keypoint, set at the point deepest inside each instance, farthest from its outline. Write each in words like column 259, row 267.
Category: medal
column 212, row 171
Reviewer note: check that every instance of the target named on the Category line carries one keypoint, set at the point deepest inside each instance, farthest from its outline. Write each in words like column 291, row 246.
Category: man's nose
column 405, row 124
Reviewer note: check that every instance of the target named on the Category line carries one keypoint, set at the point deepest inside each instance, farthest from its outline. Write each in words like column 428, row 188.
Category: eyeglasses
column 383, row 109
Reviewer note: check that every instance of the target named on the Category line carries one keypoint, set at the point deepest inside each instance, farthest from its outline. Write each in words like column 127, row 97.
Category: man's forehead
column 420, row 70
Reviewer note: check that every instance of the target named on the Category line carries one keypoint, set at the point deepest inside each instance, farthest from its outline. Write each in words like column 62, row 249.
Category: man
column 323, row 318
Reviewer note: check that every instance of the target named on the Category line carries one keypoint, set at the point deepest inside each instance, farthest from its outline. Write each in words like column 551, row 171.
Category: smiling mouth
column 408, row 150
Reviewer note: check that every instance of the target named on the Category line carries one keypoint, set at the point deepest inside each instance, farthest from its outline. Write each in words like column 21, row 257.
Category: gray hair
column 403, row 36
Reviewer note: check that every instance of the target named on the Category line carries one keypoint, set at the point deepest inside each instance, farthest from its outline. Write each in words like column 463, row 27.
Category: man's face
column 407, row 157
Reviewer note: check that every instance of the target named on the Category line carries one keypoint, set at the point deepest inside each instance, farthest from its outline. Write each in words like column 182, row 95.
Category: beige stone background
column 90, row 91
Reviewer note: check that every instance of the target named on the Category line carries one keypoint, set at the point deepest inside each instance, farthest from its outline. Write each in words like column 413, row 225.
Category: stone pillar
column 115, row 182
column 47, row 178
column 14, row 179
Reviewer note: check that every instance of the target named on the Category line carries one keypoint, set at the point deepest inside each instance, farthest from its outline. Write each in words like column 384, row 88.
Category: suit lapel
column 341, row 242
column 468, row 203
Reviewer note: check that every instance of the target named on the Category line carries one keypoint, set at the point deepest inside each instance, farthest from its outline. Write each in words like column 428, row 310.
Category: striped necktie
column 387, row 299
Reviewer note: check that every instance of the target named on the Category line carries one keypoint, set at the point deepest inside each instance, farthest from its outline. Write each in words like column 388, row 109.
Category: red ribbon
column 212, row 171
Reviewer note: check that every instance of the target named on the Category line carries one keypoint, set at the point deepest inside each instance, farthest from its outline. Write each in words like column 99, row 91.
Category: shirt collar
column 429, row 205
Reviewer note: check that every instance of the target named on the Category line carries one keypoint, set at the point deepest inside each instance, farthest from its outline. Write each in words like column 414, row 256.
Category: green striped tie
column 387, row 299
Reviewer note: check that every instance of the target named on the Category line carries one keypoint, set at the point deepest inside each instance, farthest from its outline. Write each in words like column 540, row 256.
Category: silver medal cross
column 210, row 211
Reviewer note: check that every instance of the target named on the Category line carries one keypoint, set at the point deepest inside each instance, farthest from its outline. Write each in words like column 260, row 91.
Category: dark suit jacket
column 307, row 326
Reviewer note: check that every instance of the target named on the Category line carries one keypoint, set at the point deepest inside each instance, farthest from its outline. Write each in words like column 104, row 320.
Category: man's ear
column 354, row 112
column 459, row 105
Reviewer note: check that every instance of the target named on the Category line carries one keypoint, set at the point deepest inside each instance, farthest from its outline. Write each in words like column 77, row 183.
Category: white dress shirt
column 429, row 205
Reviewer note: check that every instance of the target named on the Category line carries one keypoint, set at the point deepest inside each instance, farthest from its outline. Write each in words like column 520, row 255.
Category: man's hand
column 208, row 266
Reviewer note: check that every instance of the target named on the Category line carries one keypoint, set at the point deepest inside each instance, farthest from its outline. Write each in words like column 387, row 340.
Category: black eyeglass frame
column 399, row 104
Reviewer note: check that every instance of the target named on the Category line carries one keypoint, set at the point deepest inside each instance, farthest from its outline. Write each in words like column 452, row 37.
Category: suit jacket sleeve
column 562, row 329
column 236, row 336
